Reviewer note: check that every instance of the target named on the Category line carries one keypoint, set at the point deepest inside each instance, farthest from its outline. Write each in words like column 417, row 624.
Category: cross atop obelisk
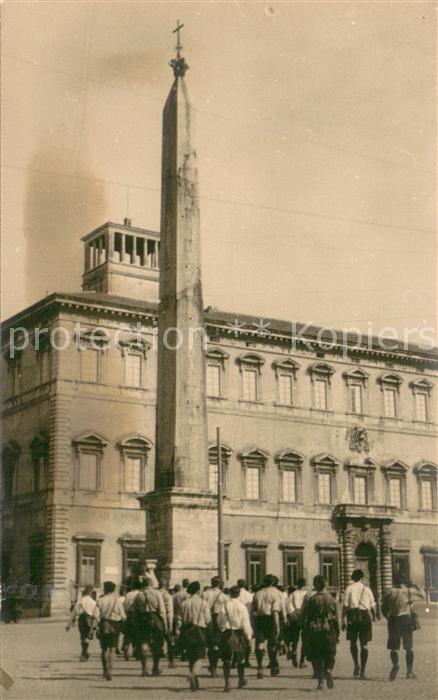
column 178, row 64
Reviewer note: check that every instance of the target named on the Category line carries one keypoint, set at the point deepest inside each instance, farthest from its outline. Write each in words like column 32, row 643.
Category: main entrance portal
column 366, row 559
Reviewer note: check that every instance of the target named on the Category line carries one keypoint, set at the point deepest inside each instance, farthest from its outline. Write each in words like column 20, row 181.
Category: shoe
column 242, row 683
column 118, row 652
column 259, row 674
column 144, row 673
column 247, row 664
column 275, row 671
column 329, row 679
column 356, row 671
column 393, row 673
column 227, row 689
column 320, row 685
column 294, row 661
column 108, row 676
column 172, row 664
column 411, row 675
column 192, row 682
column 303, row 665
column 83, row 658
column 363, row 676
column 156, row 672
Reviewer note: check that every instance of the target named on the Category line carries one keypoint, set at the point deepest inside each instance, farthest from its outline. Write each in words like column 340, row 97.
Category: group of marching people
column 221, row 623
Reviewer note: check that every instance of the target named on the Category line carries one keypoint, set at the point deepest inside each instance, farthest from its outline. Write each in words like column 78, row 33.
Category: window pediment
column 11, row 452
column 251, row 358
column 421, row 385
column 134, row 344
column 92, row 336
column 356, row 375
column 321, row 370
column 255, row 455
column 89, row 441
column 367, row 464
column 324, row 461
column 290, row 458
column 390, row 379
column 135, row 442
column 286, row 366
column 428, row 469
column 395, row 467
column 216, row 354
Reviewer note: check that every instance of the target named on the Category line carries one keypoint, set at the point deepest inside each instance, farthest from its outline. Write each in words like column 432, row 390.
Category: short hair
column 176, row 588
column 357, row 575
column 319, row 582
column 301, row 583
column 185, row 582
column 162, row 583
column 87, row 590
column 234, row 592
column 145, row 582
column 108, row 587
column 241, row 583
column 268, row 581
column 136, row 583
column 216, row 582
column 193, row 587
column 275, row 579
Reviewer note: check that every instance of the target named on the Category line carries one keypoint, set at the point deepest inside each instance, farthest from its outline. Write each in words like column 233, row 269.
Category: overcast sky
column 315, row 131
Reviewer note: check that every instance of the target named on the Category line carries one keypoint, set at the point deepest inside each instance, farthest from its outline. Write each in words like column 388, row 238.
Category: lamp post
column 220, row 535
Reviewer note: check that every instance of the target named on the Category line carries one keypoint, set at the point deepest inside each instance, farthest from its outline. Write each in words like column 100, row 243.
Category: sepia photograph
column 219, row 454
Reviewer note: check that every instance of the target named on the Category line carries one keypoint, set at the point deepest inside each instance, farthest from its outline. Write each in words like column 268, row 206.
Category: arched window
column 251, row 373
column 390, row 387
column 289, row 466
column 356, row 382
column 89, row 449
column 285, row 373
column 395, row 483
column 421, row 390
column 134, row 450
column 426, row 473
column 213, row 467
column 216, row 362
column 253, row 474
column 320, row 377
column 39, row 448
column 325, row 467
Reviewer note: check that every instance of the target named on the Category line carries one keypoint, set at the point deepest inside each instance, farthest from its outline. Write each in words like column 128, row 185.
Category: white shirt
column 295, row 601
column 357, row 595
column 85, row 605
column 234, row 615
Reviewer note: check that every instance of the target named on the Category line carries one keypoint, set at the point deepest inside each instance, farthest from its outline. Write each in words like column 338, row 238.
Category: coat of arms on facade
column 358, row 439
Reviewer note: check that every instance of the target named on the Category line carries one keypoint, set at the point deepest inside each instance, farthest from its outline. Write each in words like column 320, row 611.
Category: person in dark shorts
column 215, row 598
column 83, row 612
column 321, row 629
column 266, row 609
column 236, row 632
column 109, row 614
column 150, row 625
column 358, row 613
column 397, row 608
column 193, row 619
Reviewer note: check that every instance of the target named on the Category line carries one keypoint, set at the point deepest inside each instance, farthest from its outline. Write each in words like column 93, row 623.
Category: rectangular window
column 133, row 474
column 292, row 567
column 389, row 397
column 431, row 577
column 289, row 486
column 285, row 387
column 131, row 558
column 90, row 365
column 253, row 483
column 421, row 406
column 356, row 398
column 249, row 384
column 213, row 379
column 400, row 565
column 324, row 487
column 44, row 362
column 360, row 490
column 13, row 378
column 88, row 466
column 212, row 477
column 426, row 487
column 88, row 566
column 329, row 567
column 255, row 566
column 133, row 369
column 395, row 492
column 320, row 387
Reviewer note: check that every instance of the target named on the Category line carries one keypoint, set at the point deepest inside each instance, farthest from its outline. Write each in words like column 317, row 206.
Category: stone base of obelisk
column 181, row 533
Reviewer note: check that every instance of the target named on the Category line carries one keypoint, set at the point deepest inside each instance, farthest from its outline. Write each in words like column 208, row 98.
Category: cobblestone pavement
column 43, row 659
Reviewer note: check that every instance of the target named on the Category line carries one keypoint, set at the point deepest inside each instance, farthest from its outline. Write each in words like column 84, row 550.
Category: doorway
column 366, row 559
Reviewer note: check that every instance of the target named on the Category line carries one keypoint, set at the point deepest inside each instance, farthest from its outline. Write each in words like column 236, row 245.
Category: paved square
column 43, row 660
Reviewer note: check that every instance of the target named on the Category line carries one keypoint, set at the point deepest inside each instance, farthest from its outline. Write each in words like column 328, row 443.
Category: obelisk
column 181, row 529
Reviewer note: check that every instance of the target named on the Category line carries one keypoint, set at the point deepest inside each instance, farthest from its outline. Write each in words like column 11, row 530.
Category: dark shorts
column 293, row 630
column 194, row 642
column 84, row 626
column 360, row 628
column 399, row 629
column 109, row 638
column 264, row 629
column 233, row 645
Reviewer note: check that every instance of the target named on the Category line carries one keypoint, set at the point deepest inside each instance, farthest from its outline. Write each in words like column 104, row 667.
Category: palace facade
column 329, row 448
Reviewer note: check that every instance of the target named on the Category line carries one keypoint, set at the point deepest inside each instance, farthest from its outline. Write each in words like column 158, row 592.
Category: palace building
column 109, row 437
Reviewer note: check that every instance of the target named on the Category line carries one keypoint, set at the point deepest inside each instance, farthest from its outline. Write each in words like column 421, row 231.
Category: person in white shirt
column 246, row 597
column 236, row 632
column 83, row 611
column 215, row 598
column 358, row 610
column 109, row 614
column 294, row 609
